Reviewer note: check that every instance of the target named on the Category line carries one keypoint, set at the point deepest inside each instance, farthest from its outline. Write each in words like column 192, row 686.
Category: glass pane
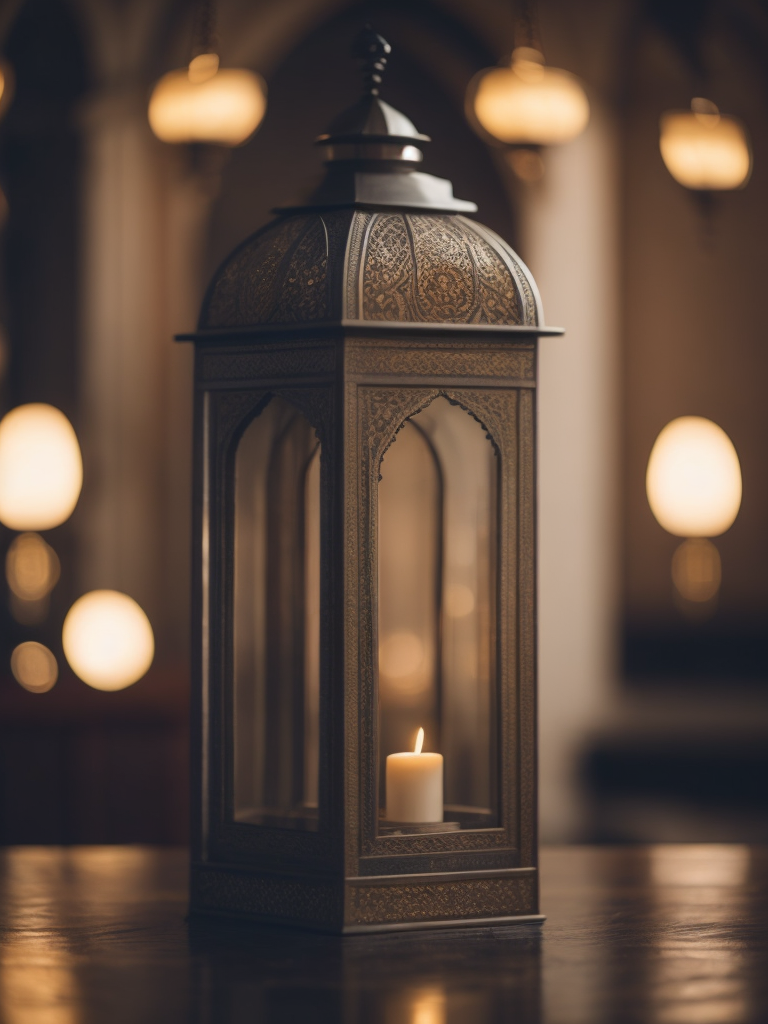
column 437, row 620
column 277, row 620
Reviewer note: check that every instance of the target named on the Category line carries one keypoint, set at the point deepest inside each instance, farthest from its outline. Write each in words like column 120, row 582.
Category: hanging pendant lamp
column 527, row 103
column 205, row 103
column 705, row 150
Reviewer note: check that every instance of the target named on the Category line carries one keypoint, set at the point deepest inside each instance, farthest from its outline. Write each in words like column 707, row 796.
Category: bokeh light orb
column 206, row 103
column 705, row 150
column 41, row 469
column 697, row 570
column 108, row 640
column 32, row 567
column 527, row 103
column 34, row 667
column 693, row 481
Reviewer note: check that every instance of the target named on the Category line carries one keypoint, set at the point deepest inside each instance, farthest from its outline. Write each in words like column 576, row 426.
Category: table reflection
column 469, row 976
column 655, row 935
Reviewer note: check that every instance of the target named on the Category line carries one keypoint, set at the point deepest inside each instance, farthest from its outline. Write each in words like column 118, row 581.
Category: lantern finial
column 372, row 50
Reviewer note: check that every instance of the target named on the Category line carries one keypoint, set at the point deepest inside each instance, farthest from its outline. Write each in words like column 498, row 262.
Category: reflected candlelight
column 701, row 865
column 429, row 1006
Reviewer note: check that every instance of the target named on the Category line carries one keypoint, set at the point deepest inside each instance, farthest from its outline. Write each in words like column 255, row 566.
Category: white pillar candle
column 415, row 785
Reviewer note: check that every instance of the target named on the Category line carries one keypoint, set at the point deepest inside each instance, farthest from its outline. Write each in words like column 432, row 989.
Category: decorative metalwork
column 401, row 267
column 360, row 310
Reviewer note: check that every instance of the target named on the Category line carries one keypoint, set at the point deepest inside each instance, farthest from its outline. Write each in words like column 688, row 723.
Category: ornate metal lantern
column 364, row 555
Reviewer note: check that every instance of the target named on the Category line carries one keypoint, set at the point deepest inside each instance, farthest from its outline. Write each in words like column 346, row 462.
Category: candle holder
column 364, row 554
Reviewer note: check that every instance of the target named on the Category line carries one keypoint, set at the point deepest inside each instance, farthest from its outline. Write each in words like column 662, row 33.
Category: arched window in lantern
column 437, row 524
column 277, row 619
column 364, row 554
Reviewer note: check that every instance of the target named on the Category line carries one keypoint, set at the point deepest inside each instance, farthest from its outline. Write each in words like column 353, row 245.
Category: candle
column 415, row 785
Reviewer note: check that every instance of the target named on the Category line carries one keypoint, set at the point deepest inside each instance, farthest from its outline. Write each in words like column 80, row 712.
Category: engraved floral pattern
column 431, row 268
column 302, row 293
column 388, row 270
column 392, row 267
column 436, row 901
column 244, row 290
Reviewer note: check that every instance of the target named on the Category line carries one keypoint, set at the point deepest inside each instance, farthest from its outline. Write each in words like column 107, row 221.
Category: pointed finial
column 372, row 50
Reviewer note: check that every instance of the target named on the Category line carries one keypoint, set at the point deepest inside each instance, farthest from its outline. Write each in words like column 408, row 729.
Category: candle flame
column 419, row 741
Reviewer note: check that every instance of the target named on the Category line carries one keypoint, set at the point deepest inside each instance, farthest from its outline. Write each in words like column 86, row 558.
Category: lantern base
column 415, row 828
column 367, row 903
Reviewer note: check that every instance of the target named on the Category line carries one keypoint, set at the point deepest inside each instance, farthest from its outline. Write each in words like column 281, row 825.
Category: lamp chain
column 526, row 28
column 206, row 27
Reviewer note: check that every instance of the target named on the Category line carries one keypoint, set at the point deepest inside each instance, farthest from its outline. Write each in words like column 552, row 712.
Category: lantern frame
column 357, row 378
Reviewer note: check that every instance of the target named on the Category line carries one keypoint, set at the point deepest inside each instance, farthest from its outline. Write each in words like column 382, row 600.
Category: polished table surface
column 669, row 934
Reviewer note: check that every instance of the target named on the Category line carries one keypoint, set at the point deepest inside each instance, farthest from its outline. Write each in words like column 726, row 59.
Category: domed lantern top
column 379, row 241
column 364, row 554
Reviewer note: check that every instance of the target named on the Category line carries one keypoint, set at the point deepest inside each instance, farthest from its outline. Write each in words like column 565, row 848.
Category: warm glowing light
column 528, row 103
column 206, row 103
column 41, row 470
column 6, row 85
column 705, row 150
column 419, row 741
column 108, row 640
column 428, row 1007
column 401, row 654
column 34, row 667
column 705, row 864
column 696, row 570
column 694, row 478
column 31, row 567
column 459, row 600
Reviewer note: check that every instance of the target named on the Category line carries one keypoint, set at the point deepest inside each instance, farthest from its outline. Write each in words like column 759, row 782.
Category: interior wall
column 693, row 326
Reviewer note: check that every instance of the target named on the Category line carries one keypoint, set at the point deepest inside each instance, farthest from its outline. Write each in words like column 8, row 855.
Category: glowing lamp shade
column 205, row 103
column 41, row 470
column 108, row 640
column 705, row 150
column 694, row 478
column 527, row 103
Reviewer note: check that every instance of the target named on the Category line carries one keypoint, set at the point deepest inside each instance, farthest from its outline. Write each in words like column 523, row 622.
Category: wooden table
column 669, row 934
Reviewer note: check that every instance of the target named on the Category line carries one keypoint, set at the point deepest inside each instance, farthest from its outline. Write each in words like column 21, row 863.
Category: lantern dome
column 397, row 265
column 380, row 240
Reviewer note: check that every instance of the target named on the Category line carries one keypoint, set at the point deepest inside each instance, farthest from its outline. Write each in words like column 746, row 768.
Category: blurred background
column 653, row 691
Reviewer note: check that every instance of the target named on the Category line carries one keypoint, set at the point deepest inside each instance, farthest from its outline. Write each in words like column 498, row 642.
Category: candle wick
column 419, row 742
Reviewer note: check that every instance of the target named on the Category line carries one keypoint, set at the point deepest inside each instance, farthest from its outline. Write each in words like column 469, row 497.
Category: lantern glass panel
column 437, row 605
column 276, row 617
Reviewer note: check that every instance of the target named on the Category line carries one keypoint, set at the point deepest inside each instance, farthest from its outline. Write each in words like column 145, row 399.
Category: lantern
column 705, row 150
column 364, row 555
